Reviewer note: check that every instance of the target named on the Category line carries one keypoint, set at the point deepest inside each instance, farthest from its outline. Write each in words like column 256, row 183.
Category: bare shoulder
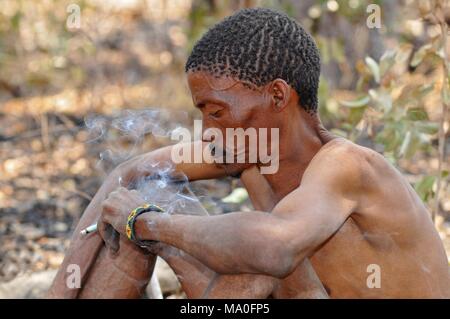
column 343, row 149
column 345, row 165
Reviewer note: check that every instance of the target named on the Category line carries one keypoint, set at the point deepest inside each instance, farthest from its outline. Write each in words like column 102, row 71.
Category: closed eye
column 216, row 113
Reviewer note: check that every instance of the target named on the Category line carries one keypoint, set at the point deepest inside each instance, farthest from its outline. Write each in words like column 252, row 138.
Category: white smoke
column 121, row 137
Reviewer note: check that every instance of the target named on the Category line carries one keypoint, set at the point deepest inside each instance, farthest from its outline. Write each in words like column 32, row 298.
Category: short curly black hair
column 257, row 46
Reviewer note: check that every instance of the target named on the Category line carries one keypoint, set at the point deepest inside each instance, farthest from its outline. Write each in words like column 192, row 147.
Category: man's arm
column 198, row 281
column 88, row 253
column 262, row 243
column 302, row 283
column 145, row 164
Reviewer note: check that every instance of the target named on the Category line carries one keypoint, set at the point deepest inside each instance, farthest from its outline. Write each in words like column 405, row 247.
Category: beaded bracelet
column 131, row 220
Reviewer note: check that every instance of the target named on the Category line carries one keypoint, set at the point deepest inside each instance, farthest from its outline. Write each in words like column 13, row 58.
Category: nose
column 206, row 130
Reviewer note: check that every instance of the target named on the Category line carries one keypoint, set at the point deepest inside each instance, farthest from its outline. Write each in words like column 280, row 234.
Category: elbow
column 280, row 261
column 126, row 166
column 125, row 171
column 118, row 174
column 284, row 267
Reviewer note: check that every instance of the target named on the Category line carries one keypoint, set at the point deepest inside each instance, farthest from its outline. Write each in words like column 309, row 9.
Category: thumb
column 109, row 235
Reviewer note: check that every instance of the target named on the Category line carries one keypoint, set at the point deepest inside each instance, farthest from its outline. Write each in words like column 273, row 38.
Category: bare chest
column 347, row 264
column 353, row 265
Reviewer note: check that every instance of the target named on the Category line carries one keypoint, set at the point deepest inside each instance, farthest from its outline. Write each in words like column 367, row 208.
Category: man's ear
column 279, row 92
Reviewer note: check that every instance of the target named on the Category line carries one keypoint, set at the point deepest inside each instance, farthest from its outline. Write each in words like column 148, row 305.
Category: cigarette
column 90, row 229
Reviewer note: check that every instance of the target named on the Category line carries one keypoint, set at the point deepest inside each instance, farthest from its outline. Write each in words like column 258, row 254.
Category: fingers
column 117, row 193
column 115, row 210
column 122, row 190
column 110, row 236
column 134, row 192
column 156, row 249
column 126, row 244
column 122, row 195
column 114, row 241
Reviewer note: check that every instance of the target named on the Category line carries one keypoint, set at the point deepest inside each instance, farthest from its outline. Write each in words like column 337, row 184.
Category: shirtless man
column 340, row 206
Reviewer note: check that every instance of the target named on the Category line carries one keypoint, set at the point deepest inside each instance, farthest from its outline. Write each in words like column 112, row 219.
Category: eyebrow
column 202, row 103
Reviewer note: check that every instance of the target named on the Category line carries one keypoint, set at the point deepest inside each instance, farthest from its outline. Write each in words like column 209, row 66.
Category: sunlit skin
column 340, row 205
column 132, row 265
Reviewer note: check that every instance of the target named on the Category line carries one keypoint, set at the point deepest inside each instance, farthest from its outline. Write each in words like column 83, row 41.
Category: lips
column 217, row 153
column 212, row 149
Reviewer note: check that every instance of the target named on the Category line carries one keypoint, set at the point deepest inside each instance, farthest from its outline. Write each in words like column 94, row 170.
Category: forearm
column 303, row 282
column 234, row 243
column 199, row 281
column 149, row 163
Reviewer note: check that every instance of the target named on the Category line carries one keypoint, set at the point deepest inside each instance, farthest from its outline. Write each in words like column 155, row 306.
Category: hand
column 115, row 211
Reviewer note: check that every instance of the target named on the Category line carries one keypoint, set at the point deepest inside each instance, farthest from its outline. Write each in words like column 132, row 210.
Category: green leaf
column 339, row 132
column 15, row 20
column 392, row 142
column 347, row 126
column 356, row 103
column 389, row 138
column 405, row 144
column 324, row 48
column 374, row 68
column 387, row 60
column 413, row 145
column 356, row 114
column 382, row 98
column 416, row 114
column 413, row 95
column 425, row 89
column 237, row 196
column 446, row 96
column 420, row 54
column 424, row 187
column 403, row 53
column 427, row 127
column 337, row 50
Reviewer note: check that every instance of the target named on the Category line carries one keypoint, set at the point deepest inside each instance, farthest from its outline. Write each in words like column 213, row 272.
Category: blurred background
column 383, row 86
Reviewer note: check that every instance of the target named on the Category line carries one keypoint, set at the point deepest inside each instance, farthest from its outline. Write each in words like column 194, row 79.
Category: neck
column 299, row 142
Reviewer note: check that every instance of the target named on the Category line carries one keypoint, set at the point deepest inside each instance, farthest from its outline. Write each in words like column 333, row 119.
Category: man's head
column 257, row 46
column 256, row 69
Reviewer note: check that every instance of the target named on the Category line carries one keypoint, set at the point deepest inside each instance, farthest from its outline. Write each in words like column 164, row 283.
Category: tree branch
column 439, row 14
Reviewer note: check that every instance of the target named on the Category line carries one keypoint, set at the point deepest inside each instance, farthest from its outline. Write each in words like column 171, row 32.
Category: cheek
column 245, row 112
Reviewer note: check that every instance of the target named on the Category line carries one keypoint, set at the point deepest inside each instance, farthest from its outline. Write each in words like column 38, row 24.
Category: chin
column 234, row 170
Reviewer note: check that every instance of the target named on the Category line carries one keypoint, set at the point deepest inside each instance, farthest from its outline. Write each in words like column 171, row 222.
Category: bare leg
column 303, row 283
column 198, row 281
column 103, row 274
column 126, row 273
column 121, row 275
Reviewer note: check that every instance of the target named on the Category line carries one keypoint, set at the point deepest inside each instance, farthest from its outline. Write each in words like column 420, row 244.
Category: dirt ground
column 49, row 171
